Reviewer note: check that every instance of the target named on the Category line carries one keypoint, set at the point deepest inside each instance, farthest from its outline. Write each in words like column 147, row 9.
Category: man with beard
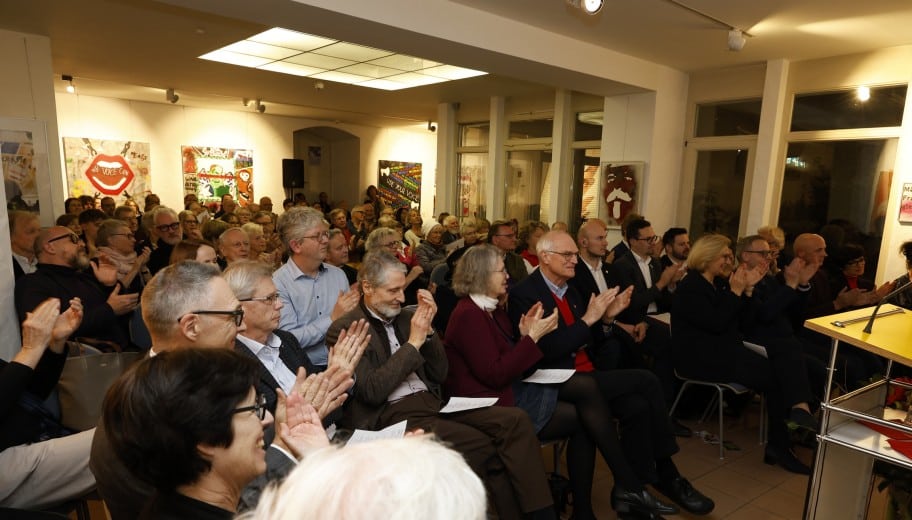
column 313, row 293
column 400, row 377
column 63, row 273
column 676, row 242
column 166, row 233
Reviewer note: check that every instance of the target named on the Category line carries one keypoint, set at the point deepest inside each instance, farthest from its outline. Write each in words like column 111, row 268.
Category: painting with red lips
column 106, row 166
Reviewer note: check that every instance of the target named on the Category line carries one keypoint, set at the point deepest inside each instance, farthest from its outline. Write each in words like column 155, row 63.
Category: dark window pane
column 718, row 185
column 839, row 189
column 588, row 126
column 836, row 110
column 531, row 129
column 474, row 134
column 729, row 118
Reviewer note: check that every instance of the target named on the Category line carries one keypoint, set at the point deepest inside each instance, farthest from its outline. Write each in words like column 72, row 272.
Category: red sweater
column 484, row 361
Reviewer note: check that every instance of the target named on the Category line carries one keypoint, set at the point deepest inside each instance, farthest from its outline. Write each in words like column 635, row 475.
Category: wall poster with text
column 400, row 184
column 107, row 168
column 211, row 172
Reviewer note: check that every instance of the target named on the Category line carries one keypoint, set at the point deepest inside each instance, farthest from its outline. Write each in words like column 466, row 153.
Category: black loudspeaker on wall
column 292, row 173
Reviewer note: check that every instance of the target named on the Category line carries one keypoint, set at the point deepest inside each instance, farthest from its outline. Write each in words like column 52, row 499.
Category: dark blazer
column 771, row 310
column 18, row 425
column 560, row 346
column 160, row 256
column 583, row 281
column 620, row 250
column 515, row 267
column 65, row 283
column 627, row 273
column 290, row 353
column 705, row 326
column 17, row 270
column 379, row 372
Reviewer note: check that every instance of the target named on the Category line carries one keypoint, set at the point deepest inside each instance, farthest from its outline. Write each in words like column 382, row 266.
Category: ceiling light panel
column 290, row 52
column 291, row 39
column 261, row 49
column 235, row 58
column 341, row 77
column 315, row 60
column 404, row 62
column 350, row 51
column 291, row 68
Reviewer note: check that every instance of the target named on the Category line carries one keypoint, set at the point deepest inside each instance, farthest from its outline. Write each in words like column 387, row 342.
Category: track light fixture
column 245, row 102
column 69, row 79
column 259, row 106
column 736, row 40
column 432, row 127
column 590, row 7
column 171, row 96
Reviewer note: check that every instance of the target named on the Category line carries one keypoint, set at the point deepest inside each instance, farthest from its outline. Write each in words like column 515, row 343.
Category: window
column 845, row 109
column 718, row 189
column 728, row 118
column 471, row 190
column 531, row 129
column 474, row 134
column 528, row 186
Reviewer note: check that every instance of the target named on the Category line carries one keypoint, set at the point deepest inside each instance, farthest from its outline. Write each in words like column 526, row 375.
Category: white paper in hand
column 395, row 431
column 461, row 404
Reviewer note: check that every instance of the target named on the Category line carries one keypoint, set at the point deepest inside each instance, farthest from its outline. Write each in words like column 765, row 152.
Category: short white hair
column 403, row 479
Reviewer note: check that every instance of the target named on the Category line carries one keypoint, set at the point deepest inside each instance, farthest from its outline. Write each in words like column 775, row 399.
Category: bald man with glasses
column 65, row 272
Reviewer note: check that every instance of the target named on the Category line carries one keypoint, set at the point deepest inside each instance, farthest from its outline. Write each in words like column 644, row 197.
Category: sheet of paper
column 395, row 431
column 461, row 404
column 551, row 376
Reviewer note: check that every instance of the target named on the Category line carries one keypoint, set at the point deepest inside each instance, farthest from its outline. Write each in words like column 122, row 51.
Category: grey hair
column 376, row 266
column 472, row 270
column 295, row 222
column 334, row 232
column 252, row 228
column 174, row 291
column 377, row 236
column 221, row 238
column 161, row 210
column 243, row 276
column 411, row 478
column 107, row 229
column 546, row 242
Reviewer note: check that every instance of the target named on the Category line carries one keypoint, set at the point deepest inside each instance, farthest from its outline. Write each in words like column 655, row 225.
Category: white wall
column 167, row 127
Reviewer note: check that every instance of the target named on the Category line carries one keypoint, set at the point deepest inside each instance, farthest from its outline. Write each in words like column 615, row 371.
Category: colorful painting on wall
column 211, row 172
column 621, row 182
column 400, row 184
column 905, row 204
column 107, row 168
column 17, row 154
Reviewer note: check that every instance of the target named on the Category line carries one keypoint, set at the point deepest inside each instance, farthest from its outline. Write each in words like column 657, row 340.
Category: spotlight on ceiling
column 432, row 127
column 171, row 96
column 736, row 40
column 70, row 87
column 863, row 93
column 590, row 7
column 245, row 102
column 259, row 106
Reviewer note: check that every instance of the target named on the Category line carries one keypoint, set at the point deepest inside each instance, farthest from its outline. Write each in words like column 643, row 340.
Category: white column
column 446, row 176
column 497, row 160
column 765, row 191
column 561, row 158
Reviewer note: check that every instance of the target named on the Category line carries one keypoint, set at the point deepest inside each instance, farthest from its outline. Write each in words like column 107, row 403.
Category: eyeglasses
column 511, row 235
column 652, row 240
column 128, row 235
column 319, row 237
column 765, row 254
column 271, row 299
column 259, row 407
column 74, row 238
column 238, row 315
column 174, row 226
column 566, row 255
column 856, row 261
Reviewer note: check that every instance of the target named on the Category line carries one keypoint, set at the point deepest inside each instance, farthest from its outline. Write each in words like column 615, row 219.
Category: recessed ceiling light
column 300, row 54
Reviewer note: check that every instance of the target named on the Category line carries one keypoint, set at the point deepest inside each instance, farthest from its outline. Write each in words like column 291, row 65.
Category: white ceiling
column 134, row 49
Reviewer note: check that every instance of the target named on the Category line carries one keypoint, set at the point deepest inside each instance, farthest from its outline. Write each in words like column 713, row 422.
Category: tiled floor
column 743, row 487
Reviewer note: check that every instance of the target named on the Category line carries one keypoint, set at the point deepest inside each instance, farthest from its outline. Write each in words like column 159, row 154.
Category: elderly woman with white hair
column 413, row 478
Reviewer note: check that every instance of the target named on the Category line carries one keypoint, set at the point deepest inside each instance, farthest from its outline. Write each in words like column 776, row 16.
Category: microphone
column 867, row 329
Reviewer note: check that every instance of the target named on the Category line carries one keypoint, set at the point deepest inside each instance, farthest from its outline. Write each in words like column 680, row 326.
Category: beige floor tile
column 796, row 485
column 734, row 483
column 781, row 503
column 750, row 512
column 754, row 467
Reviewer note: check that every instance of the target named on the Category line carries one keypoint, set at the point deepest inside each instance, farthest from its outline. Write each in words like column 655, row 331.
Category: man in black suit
column 622, row 248
column 24, row 229
column 634, row 396
column 651, row 295
column 676, row 242
column 166, row 233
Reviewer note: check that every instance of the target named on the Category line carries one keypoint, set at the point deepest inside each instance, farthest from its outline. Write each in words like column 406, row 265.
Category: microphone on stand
column 867, row 329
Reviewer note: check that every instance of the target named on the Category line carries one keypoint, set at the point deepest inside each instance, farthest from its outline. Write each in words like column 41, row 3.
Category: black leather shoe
column 640, row 502
column 786, row 459
column 679, row 430
column 681, row 492
column 802, row 419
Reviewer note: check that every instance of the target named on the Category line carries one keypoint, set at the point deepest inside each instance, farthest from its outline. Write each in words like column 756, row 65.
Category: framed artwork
column 211, row 172
column 619, row 188
column 400, row 184
column 24, row 163
column 905, row 204
column 107, row 168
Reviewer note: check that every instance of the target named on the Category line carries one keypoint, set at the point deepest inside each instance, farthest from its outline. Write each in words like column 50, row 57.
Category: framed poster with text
column 107, row 168
column 400, row 184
